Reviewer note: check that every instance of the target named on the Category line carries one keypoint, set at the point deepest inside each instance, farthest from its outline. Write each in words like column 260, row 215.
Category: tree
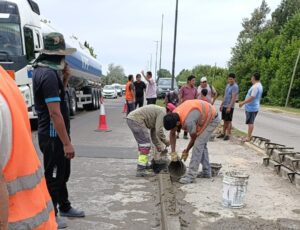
column 115, row 74
column 90, row 48
column 283, row 13
column 182, row 76
column 270, row 48
column 163, row 73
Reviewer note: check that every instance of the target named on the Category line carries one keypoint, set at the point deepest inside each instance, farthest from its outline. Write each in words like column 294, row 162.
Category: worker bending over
column 140, row 121
column 199, row 118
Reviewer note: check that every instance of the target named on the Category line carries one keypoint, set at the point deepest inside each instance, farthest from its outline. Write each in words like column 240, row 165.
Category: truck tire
column 73, row 103
column 89, row 90
column 95, row 98
column 98, row 98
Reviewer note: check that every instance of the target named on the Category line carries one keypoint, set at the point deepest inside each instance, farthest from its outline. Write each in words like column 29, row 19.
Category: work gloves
column 184, row 155
column 174, row 156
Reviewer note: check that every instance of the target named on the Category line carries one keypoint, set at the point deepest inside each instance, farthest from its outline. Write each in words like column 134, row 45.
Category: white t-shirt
column 5, row 132
column 151, row 89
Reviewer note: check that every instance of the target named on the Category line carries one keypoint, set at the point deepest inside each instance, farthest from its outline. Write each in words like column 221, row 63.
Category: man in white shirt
column 211, row 91
column 151, row 88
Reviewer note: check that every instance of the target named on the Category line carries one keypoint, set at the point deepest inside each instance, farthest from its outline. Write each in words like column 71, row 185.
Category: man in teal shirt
column 252, row 103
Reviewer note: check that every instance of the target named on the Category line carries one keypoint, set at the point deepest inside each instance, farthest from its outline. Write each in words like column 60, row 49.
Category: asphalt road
column 103, row 181
column 278, row 127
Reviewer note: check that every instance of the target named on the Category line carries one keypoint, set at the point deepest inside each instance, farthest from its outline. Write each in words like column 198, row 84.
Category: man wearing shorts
column 252, row 103
column 227, row 106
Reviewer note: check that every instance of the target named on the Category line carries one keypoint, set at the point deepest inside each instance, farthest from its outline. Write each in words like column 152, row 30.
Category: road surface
column 278, row 127
column 103, row 181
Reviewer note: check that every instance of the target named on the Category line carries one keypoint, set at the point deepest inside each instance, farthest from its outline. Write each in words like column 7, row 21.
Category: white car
column 109, row 91
column 118, row 88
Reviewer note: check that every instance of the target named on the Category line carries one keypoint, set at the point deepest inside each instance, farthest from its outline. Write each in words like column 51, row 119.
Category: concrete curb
column 169, row 221
column 281, row 169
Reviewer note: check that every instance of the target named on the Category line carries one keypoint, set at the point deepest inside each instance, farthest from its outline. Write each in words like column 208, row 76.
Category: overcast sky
column 124, row 32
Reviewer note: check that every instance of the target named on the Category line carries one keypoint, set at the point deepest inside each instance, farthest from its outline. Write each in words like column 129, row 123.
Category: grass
column 238, row 133
column 160, row 102
column 279, row 109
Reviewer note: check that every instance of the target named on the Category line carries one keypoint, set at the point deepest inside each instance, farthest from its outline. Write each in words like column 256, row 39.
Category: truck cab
column 20, row 43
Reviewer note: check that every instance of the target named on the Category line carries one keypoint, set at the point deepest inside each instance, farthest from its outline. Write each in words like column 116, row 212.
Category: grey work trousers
column 200, row 152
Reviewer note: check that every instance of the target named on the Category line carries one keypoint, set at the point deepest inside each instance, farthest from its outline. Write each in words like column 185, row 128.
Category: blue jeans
column 130, row 107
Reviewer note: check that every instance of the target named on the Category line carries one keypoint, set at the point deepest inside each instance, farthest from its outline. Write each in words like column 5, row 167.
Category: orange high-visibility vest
column 30, row 205
column 208, row 113
column 128, row 93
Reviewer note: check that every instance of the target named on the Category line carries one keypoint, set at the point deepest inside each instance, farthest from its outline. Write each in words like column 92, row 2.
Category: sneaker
column 221, row 135
column 202, row 175
column 144, row 173
column 186, row 180
column 73, row 213
column 185, row 137
column 226, row 138
column 60, row 223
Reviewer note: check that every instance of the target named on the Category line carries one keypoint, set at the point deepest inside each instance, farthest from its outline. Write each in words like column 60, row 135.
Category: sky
column 124, row 32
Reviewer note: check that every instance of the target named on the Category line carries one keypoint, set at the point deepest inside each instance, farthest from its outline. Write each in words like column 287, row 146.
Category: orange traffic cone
column 125, row 107
column 102, row 126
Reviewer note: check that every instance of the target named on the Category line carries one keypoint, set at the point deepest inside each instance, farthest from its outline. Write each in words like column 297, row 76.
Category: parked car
column 118, row 88
column 164, row 85
column 123, row 89
column 110, row 91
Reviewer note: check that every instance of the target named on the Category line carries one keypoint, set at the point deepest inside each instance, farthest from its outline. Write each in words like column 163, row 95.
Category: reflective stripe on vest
column 128, row 93
column 208, row 112
column 33, row 222
column 30, row 205
column 25, row 182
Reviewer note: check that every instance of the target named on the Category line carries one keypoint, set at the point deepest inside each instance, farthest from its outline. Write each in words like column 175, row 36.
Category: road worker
column 24, row 199
column 200, row 119
column 140, row 121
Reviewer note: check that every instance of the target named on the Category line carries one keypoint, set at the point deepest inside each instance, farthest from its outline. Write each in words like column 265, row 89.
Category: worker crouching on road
column 200, row 119
column 140, row 121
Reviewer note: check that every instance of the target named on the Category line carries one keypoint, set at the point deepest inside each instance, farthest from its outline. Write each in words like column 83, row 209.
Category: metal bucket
column 177, row 169
column 215, row 169
column 234, row 189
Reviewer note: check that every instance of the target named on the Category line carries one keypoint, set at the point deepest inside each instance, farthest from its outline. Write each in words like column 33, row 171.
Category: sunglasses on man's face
column 203, row 82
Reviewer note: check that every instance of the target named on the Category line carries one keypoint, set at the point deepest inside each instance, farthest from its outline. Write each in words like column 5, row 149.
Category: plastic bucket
column 234, row 189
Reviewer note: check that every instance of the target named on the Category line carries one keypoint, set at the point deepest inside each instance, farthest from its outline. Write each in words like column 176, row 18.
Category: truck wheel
column 95, row 103
column 98, row 99
column 73, row 103
column 89, row 106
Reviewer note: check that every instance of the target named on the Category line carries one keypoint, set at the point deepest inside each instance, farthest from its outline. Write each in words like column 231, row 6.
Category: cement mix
column 270, row 203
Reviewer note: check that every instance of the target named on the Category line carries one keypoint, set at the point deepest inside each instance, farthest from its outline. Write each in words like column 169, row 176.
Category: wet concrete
column 112, row 197
column 270, row 203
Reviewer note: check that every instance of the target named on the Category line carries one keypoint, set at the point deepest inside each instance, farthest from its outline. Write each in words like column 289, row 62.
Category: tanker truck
column 21, row 40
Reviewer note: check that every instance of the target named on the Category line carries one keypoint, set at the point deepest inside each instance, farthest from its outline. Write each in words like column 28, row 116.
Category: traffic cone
column 102, row 126
column 125, row 107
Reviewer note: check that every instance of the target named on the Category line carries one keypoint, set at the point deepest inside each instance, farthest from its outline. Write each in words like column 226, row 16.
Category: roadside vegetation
column 268, row 46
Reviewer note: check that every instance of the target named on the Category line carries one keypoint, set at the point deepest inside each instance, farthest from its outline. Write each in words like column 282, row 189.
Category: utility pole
column 292, row 80
column 150, row 69
column 155, row 75
column 174, row 46
column 161, row 39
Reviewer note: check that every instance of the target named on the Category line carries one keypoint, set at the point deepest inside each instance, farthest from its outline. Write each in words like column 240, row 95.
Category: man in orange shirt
column 199, row 118
column 130, row 94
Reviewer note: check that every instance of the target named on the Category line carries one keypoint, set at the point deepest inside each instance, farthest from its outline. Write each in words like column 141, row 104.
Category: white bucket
column 234, row 189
